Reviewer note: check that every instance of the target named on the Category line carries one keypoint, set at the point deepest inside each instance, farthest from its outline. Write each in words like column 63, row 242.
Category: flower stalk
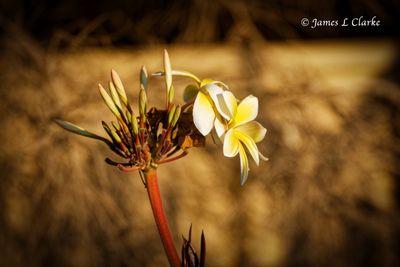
column 158, row 136
column 160, row 218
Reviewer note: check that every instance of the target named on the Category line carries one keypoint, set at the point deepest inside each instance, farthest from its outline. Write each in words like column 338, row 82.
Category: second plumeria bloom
column 238, row 130
column 214, row 106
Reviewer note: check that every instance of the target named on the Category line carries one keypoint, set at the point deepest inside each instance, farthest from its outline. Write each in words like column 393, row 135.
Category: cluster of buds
column 156, row 136
column 152, row 138
column 159, row 136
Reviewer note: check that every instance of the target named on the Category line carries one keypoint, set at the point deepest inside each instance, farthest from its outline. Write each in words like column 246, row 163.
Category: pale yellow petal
column 262, row 156
column 250, row 145
column 253, row 129
column 205, row 82
column 220, row 127
column 231, row 144
column 247, row 110
column 214, row 91
column 227, row 104
column 203, row 114
column 244, row 165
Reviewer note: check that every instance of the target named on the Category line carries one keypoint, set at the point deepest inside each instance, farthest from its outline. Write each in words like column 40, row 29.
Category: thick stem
column 160, row 218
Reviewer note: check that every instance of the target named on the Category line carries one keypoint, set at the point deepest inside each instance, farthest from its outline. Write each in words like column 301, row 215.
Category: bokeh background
column 329, row 97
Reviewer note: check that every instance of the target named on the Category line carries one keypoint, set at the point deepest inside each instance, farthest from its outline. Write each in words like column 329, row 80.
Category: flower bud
column 142, row 107
column 116, row 137
column 176, row 115
column 171, row 94
column 171, row 113
column 109, row 102
column 135, row 126
column 114, row 95
column 116, row 126
column 143, row 78
column 119, row 86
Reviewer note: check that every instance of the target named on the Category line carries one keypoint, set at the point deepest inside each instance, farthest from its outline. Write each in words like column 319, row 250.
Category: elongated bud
column 171, row 113
column 175, row 133
column 78, row 130
column 116, row 126
column 171, row 94
column 144, row 78
column 128, row 116
column 177, row 114
column 116, row 137
column 114, row 94
column 119, row 86
column 135, row 126
column 168, row 77
column 167, row 70
column 106, row 127
column 109, row 102
column 142, row 103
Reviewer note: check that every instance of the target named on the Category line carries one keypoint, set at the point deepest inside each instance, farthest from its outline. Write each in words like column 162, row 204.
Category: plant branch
column 160, row 218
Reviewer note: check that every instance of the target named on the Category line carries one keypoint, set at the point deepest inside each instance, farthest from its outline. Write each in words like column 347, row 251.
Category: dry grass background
column 329, row 196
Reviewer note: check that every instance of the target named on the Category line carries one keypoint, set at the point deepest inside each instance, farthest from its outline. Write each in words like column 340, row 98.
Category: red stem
column 160, row 218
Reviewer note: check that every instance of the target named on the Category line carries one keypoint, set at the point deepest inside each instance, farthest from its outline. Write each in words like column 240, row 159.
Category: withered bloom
column 154, row 136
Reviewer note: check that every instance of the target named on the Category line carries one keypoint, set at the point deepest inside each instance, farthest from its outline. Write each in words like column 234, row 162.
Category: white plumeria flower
column 238, row 129
column 204, row 108
column 203, row 94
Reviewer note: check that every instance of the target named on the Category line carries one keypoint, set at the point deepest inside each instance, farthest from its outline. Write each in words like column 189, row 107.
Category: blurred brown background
column 329, row 97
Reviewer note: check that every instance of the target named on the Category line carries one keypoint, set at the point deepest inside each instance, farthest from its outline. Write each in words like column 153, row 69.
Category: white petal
column 247, row 110
column 203, row 114
column 250, row 145
column 262, row 156
column 244, row 165
column 213, row 91
column 231, row 144
column 227, row 104
column 253, row 129
column 220, row 127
